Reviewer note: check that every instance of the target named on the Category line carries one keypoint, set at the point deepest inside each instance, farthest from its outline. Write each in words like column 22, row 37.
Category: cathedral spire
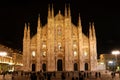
column 52, row 11
column 93, row 31
column 25, row 31
column 49, row 11
column 79, row 24
column 39, row 25
column 65, row 10
column 90, row 32
column 69, row 13
column 79, row 20
column 39, row 21
column 28, row 32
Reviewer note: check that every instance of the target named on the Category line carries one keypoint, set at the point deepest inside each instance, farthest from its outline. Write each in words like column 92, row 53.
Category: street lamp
column 110, row 64
column 116, row 52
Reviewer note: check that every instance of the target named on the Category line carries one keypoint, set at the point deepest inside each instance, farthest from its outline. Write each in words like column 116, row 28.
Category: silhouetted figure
column 33, row 76
column 76, row 78
column 4, row 76
column 12, row 76
column 63, row 76
column 99, row 74
column 90, row 74
column 84, row 74
column 96, row 74
column 41, row 76
column 73, row 78
column 112, row 75
column 49, row 76
column 81, row 77
column 68, row 74
column 54, row 74
column 79, row 74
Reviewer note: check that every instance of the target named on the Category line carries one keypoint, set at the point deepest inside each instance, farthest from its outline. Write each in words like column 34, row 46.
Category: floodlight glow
column 85, row 53
column 101, row 63
column 3, row 54
column 115, row 52
column 33, row 53
column 110, row 62
column 44, row 46
column 75, row 53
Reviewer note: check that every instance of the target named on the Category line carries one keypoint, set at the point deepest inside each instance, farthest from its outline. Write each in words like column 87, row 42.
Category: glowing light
column 20, row 64
column 3, row 54
column 44, row 53
column 118, row 67
column 59, row 46
column 115, row 52
column 85, row 53
column 33, row 53
column 101, row 63
column 110, row 62
column 10, row 63
column 75, row 53
column 44, row 46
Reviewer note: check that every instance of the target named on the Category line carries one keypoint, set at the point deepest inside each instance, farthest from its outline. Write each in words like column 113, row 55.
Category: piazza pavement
column 104, row 76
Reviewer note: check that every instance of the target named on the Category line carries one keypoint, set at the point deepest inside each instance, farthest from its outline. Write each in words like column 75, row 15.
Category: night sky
column 106, row 17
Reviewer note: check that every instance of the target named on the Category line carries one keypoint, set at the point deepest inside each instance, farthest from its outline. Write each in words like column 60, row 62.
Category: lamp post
column 110, row 63
column 116, row 52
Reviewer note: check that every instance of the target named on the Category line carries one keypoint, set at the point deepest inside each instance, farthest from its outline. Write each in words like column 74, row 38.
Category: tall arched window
column 44, row 67
column 75, row 66
column 86, row 66
column 33, row 67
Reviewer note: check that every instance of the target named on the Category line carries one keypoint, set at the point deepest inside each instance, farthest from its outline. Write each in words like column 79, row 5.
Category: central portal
column 59, row 65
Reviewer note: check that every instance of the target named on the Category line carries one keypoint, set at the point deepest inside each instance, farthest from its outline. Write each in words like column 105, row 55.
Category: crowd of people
column 63, row 75
column 73, row 75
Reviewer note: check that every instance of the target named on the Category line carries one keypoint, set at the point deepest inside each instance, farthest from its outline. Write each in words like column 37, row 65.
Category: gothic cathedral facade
column 59, row 45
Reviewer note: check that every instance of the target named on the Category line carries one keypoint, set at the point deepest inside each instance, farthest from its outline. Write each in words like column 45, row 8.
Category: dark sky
column 106, row 16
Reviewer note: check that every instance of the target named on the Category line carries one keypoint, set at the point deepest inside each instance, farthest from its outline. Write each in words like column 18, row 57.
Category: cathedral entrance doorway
column 44, row 67
column 59, row 65
column 75, row 66
column 86, row 66
column 33, row 67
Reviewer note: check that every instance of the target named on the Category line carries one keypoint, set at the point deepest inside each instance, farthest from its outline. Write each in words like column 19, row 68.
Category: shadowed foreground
column 61, row 76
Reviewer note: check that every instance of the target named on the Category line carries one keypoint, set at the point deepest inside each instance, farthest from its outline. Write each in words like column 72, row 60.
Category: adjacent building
column 111, row 62
column 59, row 45
column 10, row 59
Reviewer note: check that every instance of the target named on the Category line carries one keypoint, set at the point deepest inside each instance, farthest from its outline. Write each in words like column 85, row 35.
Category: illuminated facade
column 59, row 45
column 8, row 60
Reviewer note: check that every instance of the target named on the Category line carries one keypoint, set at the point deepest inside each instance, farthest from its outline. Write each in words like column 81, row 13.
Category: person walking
column 96, row 74
column 99, row 75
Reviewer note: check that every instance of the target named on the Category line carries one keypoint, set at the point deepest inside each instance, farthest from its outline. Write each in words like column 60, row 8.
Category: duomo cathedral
column 59, row 45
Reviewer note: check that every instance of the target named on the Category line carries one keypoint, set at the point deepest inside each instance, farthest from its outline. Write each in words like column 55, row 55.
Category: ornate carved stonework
column 60, row 45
